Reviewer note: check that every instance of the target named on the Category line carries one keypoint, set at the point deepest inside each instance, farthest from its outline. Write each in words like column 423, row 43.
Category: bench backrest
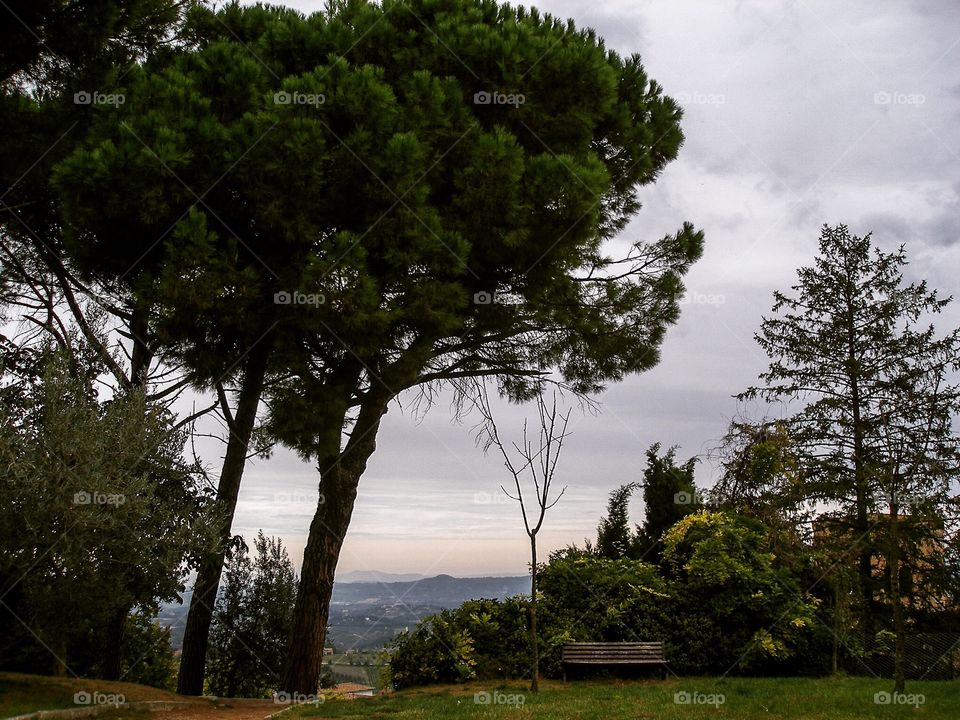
column 639, row 651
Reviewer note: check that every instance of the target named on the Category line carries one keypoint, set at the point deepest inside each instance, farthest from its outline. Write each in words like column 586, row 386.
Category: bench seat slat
column 614, row 653
column 609, row 661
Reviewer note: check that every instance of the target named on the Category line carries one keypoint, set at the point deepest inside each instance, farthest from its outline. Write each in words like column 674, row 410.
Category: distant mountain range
column 369, row 607
column 358, row 576
column 442, row 591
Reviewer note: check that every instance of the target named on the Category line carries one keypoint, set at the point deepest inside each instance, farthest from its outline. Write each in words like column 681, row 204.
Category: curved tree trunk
column 197, row 631
column 338, row 492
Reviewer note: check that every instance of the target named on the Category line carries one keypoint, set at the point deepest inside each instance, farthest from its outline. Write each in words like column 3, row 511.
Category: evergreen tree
column 851, row 348
column 669, row 495
column 615, row 539
column 252, row 621
column 352, row 157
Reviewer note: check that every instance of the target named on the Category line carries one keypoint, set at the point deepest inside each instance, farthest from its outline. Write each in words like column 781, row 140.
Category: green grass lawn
column 21, row 694
column 742, row 699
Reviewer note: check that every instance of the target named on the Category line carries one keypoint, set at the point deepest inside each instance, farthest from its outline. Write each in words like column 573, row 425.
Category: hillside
column 21, row 693
column 442, row 591
column 366, row 615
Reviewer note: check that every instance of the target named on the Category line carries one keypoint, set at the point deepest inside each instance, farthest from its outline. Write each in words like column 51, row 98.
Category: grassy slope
column 745, row 699
column 20, row 694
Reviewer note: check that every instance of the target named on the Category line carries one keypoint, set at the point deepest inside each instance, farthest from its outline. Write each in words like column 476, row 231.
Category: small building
column 328, row 651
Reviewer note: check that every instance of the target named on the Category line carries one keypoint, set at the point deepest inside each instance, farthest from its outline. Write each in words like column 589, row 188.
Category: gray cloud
column 797, row 114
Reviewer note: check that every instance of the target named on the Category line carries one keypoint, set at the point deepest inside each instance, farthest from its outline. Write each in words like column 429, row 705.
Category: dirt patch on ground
column 225, row 709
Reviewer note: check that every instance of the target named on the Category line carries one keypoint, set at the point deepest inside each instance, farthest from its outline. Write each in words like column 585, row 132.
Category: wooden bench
column 618, row 654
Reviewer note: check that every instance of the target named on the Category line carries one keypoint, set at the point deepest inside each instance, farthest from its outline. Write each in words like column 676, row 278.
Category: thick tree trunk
column 112, row 652
column 534, row 647
column 197, row 631
column 59, row 643
column 339, row 477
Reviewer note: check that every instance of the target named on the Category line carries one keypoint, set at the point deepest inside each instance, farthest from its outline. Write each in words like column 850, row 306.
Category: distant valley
column 366, row 613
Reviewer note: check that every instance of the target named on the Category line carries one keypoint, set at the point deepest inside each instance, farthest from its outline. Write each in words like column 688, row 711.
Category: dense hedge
column 720, row 602
column 481, row 639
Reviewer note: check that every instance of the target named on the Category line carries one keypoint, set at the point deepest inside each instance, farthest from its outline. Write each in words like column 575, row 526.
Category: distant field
column 343, row 671
column 733, row 698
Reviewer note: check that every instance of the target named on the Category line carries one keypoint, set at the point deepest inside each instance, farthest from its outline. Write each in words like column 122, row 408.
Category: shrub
column 725, row 605
column 253, row 620
column 596, row 599
column 147, row 654
column 733, row 606
column 436, row 651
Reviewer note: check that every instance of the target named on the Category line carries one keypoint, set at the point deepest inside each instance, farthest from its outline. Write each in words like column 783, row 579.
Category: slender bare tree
column 533, row 461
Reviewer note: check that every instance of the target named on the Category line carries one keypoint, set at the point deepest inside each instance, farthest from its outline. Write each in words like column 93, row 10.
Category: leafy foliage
column 598, row 599
column 481, row 639
column 439, row 650
column 148, row 654
column 726, row 605
column 735, row 606
column 614, row 536
column 852, row 348
column 349, row 155
column 870, row 380
column 54, row 43
column 669, row 494
column 99, row 512
column 252, row 621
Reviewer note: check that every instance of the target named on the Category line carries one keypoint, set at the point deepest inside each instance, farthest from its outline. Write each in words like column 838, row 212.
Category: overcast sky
column 796, row 114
